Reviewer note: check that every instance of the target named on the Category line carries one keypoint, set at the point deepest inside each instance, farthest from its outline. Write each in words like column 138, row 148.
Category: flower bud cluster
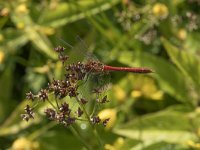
column 61, row 111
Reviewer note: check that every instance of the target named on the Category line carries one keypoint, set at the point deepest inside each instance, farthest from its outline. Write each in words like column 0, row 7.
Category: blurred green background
column 148, row 112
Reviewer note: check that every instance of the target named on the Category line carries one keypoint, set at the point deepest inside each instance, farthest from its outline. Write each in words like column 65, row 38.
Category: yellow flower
column 182, row 34
column 136, row 93
column 1, row 37
column 116, row 146
column 157, row 95
column 109, row 147
column 24, row 144
column 190, row 143
column 197, row 145
column 20, row 25
column 108, row 113
column 22, row 8
column 119, row 93
column 198, row 132
column 47, row 30
column 193, row 144
column 148, row 90
column 43, row 69
column 2, row 56
column 160, row 10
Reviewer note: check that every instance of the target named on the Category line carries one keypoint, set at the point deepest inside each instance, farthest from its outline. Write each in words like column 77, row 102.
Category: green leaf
column 6, row 81
column 71, row 12
column 62, row 139
column 169, row 78
column 31, row 31
column 153, row 136
column 192, row 42
column 164, row 120
column 161, row 145
column 41, row 42
column 188, row 63
column 166, row 126
column 12, row 40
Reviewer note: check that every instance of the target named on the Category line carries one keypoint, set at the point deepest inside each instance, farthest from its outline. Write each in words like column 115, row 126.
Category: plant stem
column 79, row 136
column 42, row 130
column 56, row 102
column 88, row 118
column 52, row 104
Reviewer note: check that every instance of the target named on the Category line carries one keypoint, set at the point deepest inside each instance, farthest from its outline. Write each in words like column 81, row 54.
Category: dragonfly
column 99, row 67
column 96, row 66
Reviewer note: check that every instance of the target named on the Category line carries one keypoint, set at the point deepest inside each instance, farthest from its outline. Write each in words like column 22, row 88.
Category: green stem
column 80, row 119
column 52, row 104
column 88, row 118
column 57, row 102
column 79, row 136
column 42, row 130
column 96, row 105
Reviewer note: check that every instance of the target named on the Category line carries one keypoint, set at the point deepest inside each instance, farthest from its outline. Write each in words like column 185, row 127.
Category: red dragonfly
column 96, row 66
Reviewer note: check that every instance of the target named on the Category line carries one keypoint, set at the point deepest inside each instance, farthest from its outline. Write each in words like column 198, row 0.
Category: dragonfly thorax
column 94, row 66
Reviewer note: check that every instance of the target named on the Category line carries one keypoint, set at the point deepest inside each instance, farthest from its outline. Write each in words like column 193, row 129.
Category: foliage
column 148, row 112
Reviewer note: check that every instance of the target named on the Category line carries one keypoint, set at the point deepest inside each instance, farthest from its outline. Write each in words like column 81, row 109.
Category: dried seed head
column 66, row 87
column 83, row 101
column 60, row 117
column 104, row 99
column 70, row 120
column 43, row 95
column 97, row 91
column 30, row 96
column 105, row 122
column 79, row 112
column 63, row 58
column 95, row 120
column 25, row 117
column 50, row 113
column 72, row 91
column 64, row 108
column 59, row 49
column 29, row 113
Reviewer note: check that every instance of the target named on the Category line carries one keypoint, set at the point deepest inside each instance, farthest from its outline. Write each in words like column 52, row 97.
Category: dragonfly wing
column 85, row 50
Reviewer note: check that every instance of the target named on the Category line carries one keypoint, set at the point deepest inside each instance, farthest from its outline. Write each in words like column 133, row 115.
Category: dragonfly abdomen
column 127, row 69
